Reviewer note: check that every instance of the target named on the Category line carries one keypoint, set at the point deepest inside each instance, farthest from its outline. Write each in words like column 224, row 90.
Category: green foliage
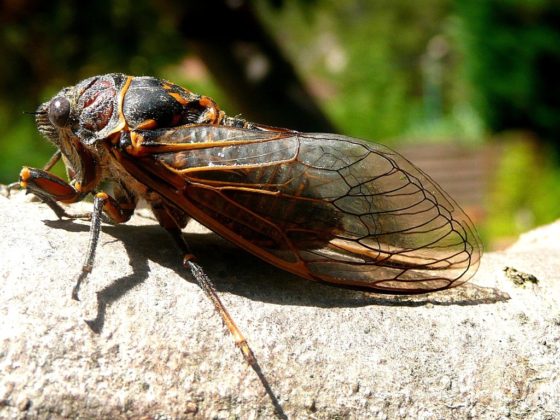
column 513, row 59
column 364, row 59
column 66, row 40
column 526, row 189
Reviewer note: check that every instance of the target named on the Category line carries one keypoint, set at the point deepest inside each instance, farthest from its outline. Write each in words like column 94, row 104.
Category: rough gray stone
column 155, row 347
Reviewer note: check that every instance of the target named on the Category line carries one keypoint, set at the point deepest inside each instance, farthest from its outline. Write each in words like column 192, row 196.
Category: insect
column 326, row 207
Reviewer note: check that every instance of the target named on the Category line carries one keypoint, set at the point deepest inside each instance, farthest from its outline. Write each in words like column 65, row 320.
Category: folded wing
column 323, row 206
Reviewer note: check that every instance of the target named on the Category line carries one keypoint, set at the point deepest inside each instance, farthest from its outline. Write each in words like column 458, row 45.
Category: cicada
column 325, row 207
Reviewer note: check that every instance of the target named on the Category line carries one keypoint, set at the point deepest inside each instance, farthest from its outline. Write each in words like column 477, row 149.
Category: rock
column 154, row 346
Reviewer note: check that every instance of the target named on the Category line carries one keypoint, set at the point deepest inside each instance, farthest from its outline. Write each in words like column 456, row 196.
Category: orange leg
column 173, row 221
column 51, row 162
column 240, row 341
column 50, row 189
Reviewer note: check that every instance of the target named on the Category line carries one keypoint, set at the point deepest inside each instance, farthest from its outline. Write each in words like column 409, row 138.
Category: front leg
column 48, row 166
column 51, row 190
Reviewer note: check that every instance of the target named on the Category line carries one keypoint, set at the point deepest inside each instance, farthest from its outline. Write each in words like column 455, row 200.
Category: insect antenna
column 34, row 112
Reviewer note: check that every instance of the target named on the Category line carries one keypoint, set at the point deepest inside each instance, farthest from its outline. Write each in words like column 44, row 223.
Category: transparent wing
column 323, row 206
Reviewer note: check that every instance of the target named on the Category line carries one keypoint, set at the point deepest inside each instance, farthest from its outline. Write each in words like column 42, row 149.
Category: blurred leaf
column 513, row 58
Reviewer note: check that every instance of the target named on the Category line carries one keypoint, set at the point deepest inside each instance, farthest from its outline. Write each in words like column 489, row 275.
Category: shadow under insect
column 235, row 271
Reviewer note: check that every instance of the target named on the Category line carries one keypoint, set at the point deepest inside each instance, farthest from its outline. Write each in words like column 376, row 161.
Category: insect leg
column 169, row 221
column 50, row 189
column 206, row 285
column 240, row 341
column 118, row 212
column 48, row 166
column 53, row 160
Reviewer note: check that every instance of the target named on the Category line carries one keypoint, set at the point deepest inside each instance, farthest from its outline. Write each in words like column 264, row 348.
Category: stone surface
column 155, row 347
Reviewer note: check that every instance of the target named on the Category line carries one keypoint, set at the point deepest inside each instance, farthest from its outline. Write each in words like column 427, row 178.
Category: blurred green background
column 468, row 90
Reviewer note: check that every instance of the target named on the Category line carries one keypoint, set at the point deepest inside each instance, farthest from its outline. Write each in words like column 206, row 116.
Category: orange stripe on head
column 120, row 101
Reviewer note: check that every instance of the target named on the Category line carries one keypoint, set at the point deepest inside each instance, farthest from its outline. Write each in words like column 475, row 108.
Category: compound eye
column 59, row 111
